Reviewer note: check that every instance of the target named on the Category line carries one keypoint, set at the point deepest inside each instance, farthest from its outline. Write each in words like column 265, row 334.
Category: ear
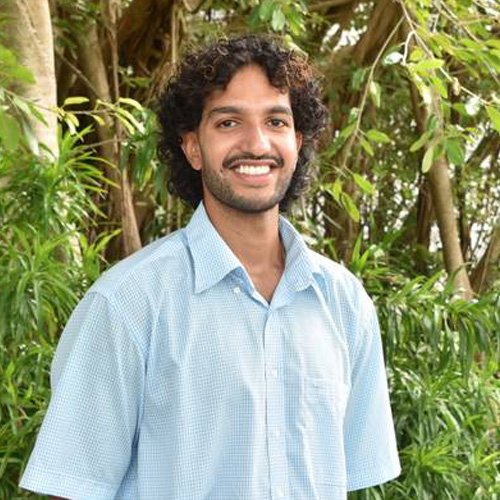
column 298, row 140
column 191, row 147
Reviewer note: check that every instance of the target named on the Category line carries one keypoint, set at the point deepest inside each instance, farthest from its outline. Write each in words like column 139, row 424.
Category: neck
column 252, row 237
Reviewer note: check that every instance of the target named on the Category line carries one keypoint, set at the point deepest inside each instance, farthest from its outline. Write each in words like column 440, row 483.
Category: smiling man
column 226, row 361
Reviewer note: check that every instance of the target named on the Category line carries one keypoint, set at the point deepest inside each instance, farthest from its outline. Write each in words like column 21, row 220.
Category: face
column 246, row 146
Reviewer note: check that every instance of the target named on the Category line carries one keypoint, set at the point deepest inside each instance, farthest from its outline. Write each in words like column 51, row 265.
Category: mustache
column 276, row 160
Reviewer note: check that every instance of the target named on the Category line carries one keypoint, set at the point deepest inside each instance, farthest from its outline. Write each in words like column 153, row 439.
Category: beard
column 221, row 189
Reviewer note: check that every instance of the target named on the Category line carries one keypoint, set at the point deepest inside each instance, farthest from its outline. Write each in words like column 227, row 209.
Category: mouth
column 252, row 169
column 253, row 166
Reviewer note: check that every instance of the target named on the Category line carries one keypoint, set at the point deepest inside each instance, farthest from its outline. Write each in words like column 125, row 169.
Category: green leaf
column 493, row 43
column 30, row 138
column 428, row 65
column 454, row 151
column 494, row 115
column 364, row 183
column 266, row 10
column 432, row 124
column 357, row 78
column 427, row 160
column 366, row 146
column 131, row 102
column 375, row 93
column 22, row 74
column 377, row 136
column 337, row 189
column 10, row 132
column 420, row 142
column 460, row 107
column 75, row 100
column 100, row 121
column 7, row 57
column 350, row 206
column 417, row 54
column 347, row 131
column 128, row 116
column 278, row 21
column 440, row 87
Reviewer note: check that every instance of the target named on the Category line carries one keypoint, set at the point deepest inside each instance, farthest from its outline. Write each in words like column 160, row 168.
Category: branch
column 347, row 149
column 78, row 72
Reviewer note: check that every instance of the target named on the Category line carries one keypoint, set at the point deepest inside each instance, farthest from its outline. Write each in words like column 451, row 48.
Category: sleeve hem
column 44, row 482
column 368, row 480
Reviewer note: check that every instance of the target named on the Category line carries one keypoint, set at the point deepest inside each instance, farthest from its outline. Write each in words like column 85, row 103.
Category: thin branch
column 78, row 72
column 189, row 9
column 329, row 3
column 352, row 138
column 430, row 54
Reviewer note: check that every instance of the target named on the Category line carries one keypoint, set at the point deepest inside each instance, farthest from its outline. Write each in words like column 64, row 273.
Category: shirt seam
column 130, row 334
column 42, row 471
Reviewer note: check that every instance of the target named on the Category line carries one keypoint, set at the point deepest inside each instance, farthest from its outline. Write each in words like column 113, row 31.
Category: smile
column 253, row 170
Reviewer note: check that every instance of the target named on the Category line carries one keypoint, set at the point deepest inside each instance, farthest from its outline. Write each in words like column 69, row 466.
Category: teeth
column 252, row 170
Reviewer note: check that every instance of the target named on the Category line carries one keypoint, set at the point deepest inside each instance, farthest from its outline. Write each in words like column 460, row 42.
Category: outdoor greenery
column 406, row 193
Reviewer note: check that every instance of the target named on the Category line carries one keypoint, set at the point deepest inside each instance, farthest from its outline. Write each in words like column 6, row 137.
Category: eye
column 226, row 124
column 277, row 123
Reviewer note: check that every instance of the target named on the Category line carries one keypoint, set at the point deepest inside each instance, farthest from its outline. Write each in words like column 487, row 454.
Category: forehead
column 250, row 89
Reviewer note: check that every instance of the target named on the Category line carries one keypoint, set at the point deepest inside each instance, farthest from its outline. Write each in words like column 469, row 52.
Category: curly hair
column 180, row 105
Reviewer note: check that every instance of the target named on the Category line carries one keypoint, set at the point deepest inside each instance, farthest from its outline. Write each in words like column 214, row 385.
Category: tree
column 406, row 193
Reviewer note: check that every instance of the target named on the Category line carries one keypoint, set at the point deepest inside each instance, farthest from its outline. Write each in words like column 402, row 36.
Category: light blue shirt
column 175, row 380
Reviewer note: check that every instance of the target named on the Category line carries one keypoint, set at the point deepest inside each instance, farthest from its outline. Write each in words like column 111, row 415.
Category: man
column 226, row 361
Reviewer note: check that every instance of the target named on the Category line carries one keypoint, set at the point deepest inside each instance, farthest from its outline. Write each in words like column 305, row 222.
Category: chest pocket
column 320, row 410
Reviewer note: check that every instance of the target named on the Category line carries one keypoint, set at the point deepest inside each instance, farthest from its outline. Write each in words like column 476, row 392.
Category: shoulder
column 134, row 289
column 339, row 281
column 147, row 269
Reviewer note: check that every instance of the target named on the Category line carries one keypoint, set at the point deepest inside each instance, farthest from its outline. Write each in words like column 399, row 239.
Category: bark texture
column 442, row 197
column 488, row 268
column 122, row 205
column 29, row 34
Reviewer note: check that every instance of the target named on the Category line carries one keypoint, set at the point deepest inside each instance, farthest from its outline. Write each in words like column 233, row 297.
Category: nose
column 256, row 140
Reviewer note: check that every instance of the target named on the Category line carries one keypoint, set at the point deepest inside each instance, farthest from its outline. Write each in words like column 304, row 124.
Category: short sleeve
column 85, row 442
column 369, row 438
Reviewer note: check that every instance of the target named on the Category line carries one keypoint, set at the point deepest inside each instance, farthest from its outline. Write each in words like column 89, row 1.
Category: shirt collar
column 214, row 260
column 300, row 266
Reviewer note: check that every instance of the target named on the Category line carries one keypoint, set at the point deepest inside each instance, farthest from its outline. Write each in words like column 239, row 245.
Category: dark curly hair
column 180, row 105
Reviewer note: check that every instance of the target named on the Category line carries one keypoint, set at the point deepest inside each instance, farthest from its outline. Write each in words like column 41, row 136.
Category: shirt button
column 236, row 289
column 277, row 433
column 274, row 373
column 281, row 492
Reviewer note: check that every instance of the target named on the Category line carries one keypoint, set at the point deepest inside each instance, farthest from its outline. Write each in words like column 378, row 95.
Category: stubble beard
column 223, row 192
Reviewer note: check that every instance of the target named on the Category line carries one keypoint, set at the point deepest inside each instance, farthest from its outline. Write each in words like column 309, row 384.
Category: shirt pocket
column 322, row 411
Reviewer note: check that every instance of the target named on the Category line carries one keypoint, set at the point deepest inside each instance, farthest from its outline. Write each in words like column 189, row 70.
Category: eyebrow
column 224, row 110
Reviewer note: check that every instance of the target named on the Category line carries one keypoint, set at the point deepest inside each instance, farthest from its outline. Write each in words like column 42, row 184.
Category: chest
column 225, row 345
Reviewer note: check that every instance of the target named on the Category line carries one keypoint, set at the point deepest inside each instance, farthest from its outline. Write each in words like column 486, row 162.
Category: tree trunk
column 29, row 34
column 122, row 207
column 442, row 197
column 487, row 269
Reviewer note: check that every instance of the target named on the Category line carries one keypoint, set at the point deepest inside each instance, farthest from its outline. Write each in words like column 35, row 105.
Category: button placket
column 278, row 467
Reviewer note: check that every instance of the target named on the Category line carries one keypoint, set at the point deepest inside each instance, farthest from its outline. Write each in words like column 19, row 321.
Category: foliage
column 416, row 84
column 445, row 392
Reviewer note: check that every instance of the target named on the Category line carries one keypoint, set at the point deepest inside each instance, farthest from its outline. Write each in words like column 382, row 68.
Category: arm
column 85, row 443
